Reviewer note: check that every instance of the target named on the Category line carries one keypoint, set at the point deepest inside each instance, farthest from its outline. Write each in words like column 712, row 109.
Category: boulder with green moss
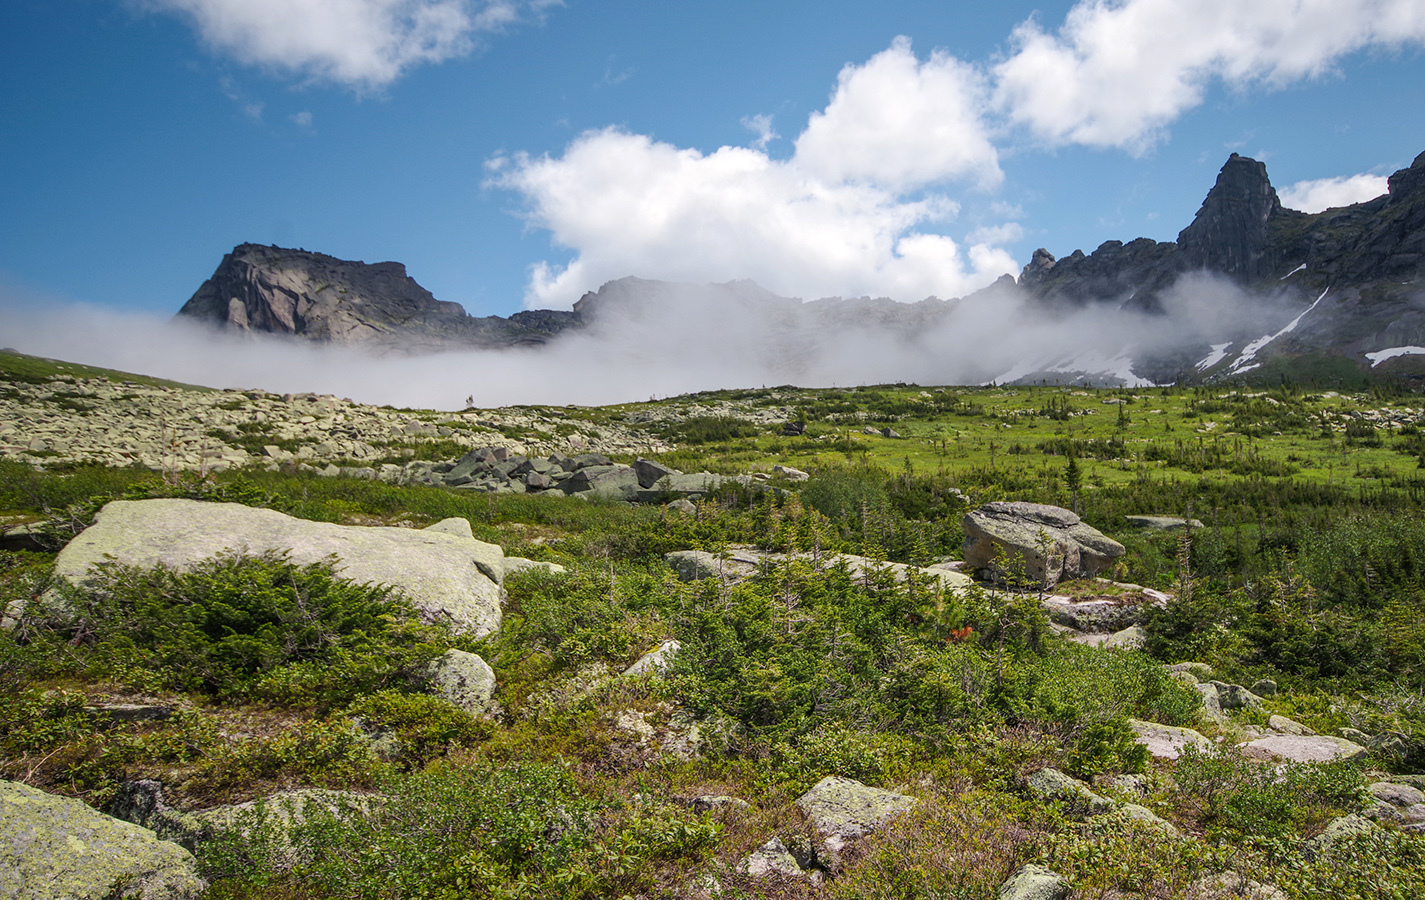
column 55, row 847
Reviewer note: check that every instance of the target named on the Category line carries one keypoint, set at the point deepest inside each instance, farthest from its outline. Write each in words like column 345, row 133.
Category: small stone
column 1283, row 725
column 1033, row 882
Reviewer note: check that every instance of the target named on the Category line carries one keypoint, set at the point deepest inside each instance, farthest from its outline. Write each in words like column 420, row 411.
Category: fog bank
column 676, row 339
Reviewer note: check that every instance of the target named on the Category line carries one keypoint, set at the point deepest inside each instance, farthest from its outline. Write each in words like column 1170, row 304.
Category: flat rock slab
column 842, row 809
column 54, row 847
column 1302, row 748
column 1167, row 741
column 449, row 577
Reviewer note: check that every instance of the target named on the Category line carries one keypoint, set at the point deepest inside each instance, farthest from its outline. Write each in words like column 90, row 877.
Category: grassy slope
column 820, row 676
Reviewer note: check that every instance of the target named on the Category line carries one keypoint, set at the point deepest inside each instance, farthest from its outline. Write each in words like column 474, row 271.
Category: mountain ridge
column 1341, row 284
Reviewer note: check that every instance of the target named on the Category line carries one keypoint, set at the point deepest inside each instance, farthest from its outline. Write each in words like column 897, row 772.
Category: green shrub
column 426, row 726
column 1238, row 799
column 249, row 625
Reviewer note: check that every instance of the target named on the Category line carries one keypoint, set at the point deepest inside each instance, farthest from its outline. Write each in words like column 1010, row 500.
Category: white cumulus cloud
column 364, row 44
column 1117, row 73
column 901, row 123
column 627, row 204
column 848, row 214
column 1325, row 193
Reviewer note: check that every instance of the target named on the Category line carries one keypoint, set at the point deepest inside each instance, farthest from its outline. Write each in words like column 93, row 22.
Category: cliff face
column 327, row 300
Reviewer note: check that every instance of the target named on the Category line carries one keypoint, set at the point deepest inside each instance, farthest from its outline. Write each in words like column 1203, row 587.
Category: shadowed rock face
column 1229, row 233
column 323, row 299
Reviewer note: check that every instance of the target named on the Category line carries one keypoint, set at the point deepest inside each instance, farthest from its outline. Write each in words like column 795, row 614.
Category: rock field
column 93, row 420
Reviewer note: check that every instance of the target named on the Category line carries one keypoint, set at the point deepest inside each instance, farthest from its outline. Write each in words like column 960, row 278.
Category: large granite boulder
column 445, row 572
column 54, row 847
column 1048, row 543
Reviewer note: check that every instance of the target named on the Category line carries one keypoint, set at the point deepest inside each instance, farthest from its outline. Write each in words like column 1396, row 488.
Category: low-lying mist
column 677, row 339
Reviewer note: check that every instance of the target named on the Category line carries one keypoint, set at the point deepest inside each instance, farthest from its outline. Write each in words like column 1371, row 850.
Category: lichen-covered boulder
column 1307, row 748
column 1044, row 543
column 448, row 575
column 464, row 679
column 843, row 809
column 1033, row 882
column 1167, row 741
column 1051, row 784
column 55, row 848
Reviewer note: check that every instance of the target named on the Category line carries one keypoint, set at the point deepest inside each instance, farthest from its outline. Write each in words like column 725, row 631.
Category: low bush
column 248, row 626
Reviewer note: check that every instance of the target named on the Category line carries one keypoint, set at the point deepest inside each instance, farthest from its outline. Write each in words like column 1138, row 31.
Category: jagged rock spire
column 1229, row 234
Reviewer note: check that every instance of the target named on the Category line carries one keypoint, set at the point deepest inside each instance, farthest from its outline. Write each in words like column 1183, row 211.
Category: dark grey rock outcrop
column 323, row 299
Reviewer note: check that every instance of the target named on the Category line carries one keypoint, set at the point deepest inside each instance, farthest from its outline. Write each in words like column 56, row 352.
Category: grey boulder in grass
column 448, row 575
column 56, row 848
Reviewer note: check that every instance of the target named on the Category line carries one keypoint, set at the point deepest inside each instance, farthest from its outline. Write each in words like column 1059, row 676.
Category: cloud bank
column 363, row 44
column 672, row 340
column 1327, row 193
column 864, row 203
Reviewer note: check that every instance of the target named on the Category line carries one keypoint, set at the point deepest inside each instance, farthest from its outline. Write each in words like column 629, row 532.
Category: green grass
column 22, row 367
column 1310, row 571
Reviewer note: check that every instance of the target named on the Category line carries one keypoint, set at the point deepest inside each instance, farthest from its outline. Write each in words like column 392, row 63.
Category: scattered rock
column 1403, row 804
column 1345, row 826
column 656, row 661
column 790, row 473
column 1200, row 671
column 1134, row 637
column 1234, row 696
column 772, row 858
column 1264, row 687
column 1051, row 784
column 843, row 809
column 54, row 847
column 1049, row 542
column 1033, row 882
column 515, row 564
column 1232, row 886
column 1167, row 741
column 710, row 802
column 465, row 680
column 1283, row 725
column 1162, row 523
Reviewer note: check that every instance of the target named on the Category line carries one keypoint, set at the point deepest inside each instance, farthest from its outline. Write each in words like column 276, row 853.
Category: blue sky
column 515, row 153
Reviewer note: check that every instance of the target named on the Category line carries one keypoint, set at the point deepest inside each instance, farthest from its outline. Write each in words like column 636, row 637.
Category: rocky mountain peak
column 323, row 299
column 1229, row 233
column 1408, row 181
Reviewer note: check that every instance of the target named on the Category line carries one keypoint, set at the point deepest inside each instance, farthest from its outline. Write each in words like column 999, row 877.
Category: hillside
column 780, row 683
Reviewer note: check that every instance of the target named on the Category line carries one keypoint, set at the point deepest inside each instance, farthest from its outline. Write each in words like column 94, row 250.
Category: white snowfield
column 1381, row 356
